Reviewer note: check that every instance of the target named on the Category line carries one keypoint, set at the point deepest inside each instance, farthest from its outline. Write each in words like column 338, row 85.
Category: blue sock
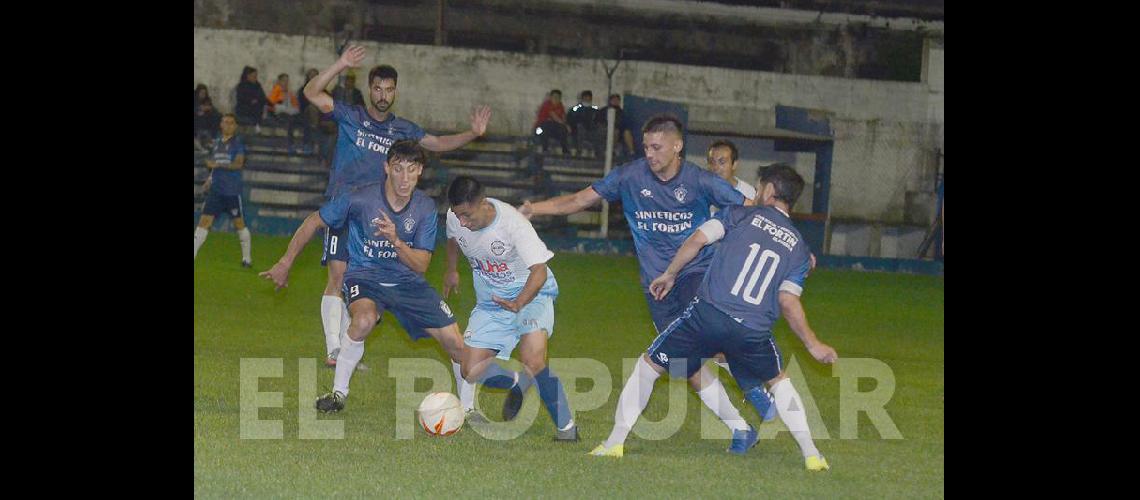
column 553, row 396
column 762, row 401
column 525, row 381
column 496, row 377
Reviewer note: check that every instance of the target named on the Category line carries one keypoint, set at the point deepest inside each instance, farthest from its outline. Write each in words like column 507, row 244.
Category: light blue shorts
column 499, row 329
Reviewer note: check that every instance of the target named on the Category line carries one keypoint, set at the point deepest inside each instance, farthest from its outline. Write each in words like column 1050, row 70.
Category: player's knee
column 468, row 372
column 534, row 363
column 363, row 322
column 534, row 359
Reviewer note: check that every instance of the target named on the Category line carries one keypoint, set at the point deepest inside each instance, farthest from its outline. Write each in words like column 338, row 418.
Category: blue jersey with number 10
column 760, row 255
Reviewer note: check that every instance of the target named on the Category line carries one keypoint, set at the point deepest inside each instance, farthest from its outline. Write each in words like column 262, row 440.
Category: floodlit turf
column 601, row 314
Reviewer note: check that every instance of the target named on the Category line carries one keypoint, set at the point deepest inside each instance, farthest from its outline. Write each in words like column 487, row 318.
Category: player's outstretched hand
column 480, row 116
column 450, row 283
column 278, row 274
column 353, row 56
column 509, row 305
column 385, row 227
column 526, row 209
column 661, row 286
column 823, row 353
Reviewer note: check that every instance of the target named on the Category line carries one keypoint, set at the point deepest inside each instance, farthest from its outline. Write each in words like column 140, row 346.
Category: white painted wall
column 886, row 132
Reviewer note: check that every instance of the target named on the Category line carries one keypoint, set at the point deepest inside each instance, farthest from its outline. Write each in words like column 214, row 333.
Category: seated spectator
column 206, row 123
column 310, row 117
column 200, row 93
column 284, row 106
column 250, row 99
column 551, row 122
column 339, row 92
column 583, row 127
column 622, row 135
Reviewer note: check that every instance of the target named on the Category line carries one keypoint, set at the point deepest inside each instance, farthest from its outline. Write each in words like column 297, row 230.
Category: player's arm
column 451, row 275
column 562, row 205
column 793, row 311
column 315, row 89
column 237, row 164
column 479, row 118
column 416, row 259
column 279, row 273
column 709, row 232
column 533, row 284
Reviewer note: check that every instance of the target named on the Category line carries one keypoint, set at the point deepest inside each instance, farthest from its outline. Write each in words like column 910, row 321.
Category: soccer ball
column 440, row 414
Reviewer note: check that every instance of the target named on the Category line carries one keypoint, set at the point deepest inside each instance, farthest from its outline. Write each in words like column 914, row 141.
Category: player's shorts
column 415, row 305
column 667, row 309
column 702, row 331
column 217, row 204
column 500, row 330
column 336, row 244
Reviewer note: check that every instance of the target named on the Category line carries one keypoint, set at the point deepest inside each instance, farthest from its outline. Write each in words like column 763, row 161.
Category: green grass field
column 896, row 319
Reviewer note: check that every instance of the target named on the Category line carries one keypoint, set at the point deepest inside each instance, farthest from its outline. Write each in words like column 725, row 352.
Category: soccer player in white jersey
column 514, row 291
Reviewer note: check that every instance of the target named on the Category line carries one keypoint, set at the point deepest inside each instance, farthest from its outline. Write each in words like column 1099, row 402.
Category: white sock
column 350, row 353
column 724, row 365
column 634, row 397
column 345, row 320
column 331, row 310
column 243, row 238
column 717, row 400
column 465, row 389
column 199, row 239
column 790, row 408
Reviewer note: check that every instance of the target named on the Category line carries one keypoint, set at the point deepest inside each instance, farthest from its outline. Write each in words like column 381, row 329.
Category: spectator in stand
column 583, row 124
column 622, row 135
column 250, row 99
column 206, row 123
column 353, row 99
column 200, row 93
column 285, row 108
column 551, row 122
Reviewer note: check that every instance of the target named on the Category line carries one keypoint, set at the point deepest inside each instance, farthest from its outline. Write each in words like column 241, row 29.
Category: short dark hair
column 615, row 96
column 383, row 72
column 586, row 93
column 788, row 183
column 556, row 91
column 664, row 123
column 407, row 151
column 722, row 143
column 231, row 115
column 464, row 189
